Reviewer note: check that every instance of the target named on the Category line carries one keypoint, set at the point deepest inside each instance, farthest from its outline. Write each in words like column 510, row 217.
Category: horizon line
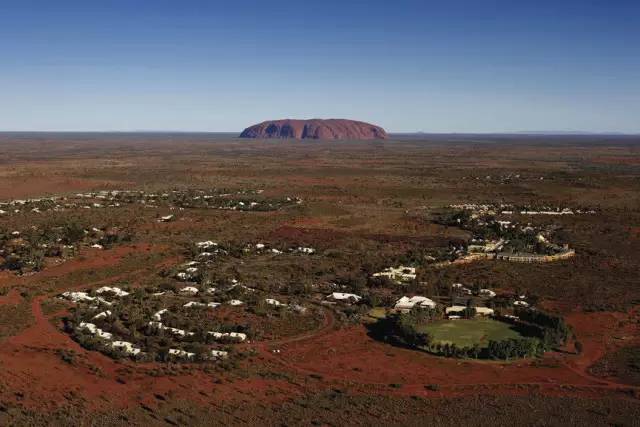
column 170, row 131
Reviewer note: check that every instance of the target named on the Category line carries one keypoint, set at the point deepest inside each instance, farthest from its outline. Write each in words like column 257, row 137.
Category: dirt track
column 339, row 355
column 344, row 350
column 346, row 356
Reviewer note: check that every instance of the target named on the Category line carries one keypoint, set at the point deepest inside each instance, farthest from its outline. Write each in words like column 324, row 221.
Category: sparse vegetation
column 363, row 209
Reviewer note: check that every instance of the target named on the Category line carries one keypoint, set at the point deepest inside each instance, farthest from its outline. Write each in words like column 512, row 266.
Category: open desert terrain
column 202, row 279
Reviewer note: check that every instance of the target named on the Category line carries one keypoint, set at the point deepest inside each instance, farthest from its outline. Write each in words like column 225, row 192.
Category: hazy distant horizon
column 391, row 133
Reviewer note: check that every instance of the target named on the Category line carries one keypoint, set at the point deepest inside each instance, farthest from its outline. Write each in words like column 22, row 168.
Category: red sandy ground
column 30, row 358
column 349, row 355
column 88, row 259
column 325, row 236
column 621, row 160
column 11, row 188
column 35, row 374
column 12, row 297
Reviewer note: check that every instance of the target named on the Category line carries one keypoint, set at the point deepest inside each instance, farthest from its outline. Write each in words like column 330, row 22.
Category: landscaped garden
column 469, row 332
column 528, row 334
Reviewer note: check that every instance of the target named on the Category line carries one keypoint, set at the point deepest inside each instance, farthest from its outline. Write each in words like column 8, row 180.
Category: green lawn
column 466, row 333
column 378, row 312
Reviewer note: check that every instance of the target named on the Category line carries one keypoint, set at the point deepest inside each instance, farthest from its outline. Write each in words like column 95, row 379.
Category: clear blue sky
column 435, row 66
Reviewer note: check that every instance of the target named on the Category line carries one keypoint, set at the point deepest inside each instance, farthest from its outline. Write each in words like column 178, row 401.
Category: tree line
column 541, row 332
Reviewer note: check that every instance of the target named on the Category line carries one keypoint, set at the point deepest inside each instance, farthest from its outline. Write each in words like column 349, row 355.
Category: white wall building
column 407, row 303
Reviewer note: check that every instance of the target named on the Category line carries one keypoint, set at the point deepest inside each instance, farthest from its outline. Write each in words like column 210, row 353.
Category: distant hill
column 315, row 129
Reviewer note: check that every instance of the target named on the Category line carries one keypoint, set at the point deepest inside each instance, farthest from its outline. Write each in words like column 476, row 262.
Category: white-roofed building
column 344, row 297
column 114, row 290
column 399, row 275
column 407, row 303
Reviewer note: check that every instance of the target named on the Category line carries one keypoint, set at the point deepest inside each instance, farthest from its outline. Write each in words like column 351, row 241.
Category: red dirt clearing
column 344, row 357
column 12, row 297
column 15, row 188
column 349, row 355
column 33, row 357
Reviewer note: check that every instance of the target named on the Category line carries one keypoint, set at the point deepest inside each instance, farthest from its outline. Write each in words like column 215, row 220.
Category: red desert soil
column 594, row 332
column 343, row 356
column 346, row 356
column 618, row 160
column 315, row 129
column 32, row 357
column 15, row 188
column 89, row 259
column 350, row 356
column 12, row 297
column 328, row 236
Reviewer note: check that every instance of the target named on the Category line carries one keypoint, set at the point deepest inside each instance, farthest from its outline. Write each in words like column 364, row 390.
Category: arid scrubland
column 192, row 278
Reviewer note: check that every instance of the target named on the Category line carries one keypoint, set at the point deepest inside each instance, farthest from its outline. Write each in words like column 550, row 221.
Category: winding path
column 329, row 325
column 44, row 333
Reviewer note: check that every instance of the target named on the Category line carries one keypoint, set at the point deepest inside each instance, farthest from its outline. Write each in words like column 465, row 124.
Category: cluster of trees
column 405, row 328
column 550, row 329
column 28, row 250
column 217, row 201
column 129, row 321
column 453, row 218
column 113, row 237
column 153, row 350
column 514, row 348
column 464, row 219
column 452, row 350
column 542, row 331
column 28, row 260
column 519, row 240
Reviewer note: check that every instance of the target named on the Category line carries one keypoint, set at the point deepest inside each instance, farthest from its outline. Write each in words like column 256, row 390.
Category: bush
column 403, row 327
column 515, row 348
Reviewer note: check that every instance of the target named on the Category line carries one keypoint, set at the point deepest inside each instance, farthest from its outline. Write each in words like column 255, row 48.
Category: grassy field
column 466, row 333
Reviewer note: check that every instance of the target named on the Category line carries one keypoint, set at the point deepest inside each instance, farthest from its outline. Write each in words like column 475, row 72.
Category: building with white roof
column 181, row 353
column 480, row 311
column 407, row 303
column 125, row 346
column 399, row 275
column 344, row 297
column 94, row 330
column 219, row 354
column 487, row 293
column 114, row 290
column 233, row 336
